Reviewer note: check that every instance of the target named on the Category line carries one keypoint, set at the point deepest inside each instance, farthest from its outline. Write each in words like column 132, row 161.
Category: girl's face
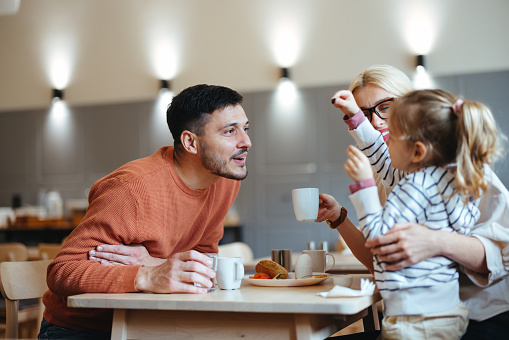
column 400, row 151
column 369, row 96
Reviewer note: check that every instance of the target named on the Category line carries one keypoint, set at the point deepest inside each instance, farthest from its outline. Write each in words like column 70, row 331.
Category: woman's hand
column 329, row 208
column 409, row 243
column 131, row 255
column 345, row 101
column 357, row 166
column 405, row 244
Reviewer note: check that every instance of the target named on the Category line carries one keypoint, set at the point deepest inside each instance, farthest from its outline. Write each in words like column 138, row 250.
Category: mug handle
column 333, row 261
column 239, row 270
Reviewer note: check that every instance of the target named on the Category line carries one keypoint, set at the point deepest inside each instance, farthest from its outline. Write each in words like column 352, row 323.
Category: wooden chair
column 22, row 281
column 13, row 251
column 48, row 251
column 238, row 249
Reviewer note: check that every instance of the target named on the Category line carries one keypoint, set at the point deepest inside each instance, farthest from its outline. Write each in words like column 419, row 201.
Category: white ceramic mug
column 319, row 260
column 305, row 203
column 230, row 272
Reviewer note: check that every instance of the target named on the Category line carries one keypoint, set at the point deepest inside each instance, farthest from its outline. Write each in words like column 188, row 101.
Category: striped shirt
column 425, row 197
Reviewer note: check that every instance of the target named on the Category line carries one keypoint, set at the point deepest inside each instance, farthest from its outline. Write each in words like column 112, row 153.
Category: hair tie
column 456, row 107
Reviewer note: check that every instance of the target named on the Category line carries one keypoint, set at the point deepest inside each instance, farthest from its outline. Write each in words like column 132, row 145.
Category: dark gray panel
column 111, row 137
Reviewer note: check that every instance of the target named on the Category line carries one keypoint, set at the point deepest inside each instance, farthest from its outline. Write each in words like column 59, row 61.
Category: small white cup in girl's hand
column 230, row 272
column 305, row 203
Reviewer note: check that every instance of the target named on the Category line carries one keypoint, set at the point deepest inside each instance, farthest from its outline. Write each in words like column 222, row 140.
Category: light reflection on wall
column 420, row 30
column 59, row 143
column 59, row 59
column 159, row 132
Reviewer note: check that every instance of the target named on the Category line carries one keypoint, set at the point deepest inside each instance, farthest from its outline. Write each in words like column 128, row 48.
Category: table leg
column 119, row 326
column 371, row 321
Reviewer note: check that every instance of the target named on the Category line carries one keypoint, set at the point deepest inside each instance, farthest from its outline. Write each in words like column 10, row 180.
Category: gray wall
column 299, row 147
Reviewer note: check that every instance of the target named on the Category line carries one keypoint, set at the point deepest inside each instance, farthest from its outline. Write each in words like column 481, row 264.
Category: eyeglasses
column 381, row 109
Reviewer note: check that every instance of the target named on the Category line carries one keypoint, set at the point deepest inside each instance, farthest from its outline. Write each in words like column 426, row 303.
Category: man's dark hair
column 191, row 109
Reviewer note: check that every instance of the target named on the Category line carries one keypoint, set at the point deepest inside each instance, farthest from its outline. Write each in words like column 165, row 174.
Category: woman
column 481, row 255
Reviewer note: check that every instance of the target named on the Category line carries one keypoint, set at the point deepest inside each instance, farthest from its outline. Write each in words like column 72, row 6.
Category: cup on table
column 319, row 260
column 283, row 257
column 305, row 203
column 230, row 272
column 213, row 266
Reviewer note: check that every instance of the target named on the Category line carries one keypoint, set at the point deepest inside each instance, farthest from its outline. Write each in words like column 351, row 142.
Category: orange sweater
column 144, row 201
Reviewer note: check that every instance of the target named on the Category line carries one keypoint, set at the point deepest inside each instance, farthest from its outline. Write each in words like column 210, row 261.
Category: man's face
column 225, row 143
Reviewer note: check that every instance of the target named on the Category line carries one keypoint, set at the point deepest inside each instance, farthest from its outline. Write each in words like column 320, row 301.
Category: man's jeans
column 50, row 331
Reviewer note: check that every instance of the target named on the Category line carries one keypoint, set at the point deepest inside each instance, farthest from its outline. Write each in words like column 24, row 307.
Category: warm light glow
column 286, row 45
column 164, row 58
column 59, row 55
column 286, row 29
column 59, row 112
column 286, row 92
column 163, row 101
column 420, row 25
column 159, row 131
column 422, row 79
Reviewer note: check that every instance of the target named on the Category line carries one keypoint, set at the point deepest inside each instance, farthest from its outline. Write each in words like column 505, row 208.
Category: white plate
column 287, row 282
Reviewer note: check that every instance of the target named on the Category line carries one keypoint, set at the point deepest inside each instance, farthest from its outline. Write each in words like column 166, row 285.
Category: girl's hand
column 357, row 166
column 345, row 101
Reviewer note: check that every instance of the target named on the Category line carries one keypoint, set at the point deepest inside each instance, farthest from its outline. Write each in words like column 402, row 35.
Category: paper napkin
column 367, row 288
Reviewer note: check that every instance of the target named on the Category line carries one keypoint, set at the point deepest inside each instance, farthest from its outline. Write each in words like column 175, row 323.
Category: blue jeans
column 494, row 328
column 51, row 331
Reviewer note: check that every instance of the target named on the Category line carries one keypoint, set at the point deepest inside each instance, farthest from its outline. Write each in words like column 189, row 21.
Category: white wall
column 108, row 47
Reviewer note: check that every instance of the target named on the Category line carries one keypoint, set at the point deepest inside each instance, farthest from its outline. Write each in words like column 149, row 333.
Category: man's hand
column 357, row 166
column 345, row 101
column 131, row 255
column 177, row 275
column 329, row 208
column 405, row 244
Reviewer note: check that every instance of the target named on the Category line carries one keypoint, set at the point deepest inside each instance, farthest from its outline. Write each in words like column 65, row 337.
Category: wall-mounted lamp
column 165, row 84
column 57, row 95
column 422, row 79
column 420, row 62
column 285, row 73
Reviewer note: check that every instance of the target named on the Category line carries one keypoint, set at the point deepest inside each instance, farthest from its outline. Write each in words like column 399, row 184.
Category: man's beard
column 219, row 166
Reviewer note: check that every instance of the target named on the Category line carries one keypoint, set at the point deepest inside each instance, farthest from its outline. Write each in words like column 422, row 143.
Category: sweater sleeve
column 111, row 218
column 404, row 204
column 372, row 144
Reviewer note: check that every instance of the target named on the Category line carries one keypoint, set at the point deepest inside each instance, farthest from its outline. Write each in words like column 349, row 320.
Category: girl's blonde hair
column 464, row 134
column 387, row 77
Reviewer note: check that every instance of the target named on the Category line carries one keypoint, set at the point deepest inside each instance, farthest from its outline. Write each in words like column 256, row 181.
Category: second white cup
column 319, row 260
column 305, row 203
column 230, row 272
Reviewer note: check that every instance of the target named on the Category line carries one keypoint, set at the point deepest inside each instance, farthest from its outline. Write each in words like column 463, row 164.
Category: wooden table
column 250, row 312
column 344, row 264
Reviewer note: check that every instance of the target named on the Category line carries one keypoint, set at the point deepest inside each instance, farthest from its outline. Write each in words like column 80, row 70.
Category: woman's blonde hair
column 454, row 131
column 387, row 77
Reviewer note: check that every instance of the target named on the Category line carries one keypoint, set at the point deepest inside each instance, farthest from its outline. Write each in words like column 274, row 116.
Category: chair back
column 13, row 251
column 21, row 281
column 236, row 249
column 48, row 251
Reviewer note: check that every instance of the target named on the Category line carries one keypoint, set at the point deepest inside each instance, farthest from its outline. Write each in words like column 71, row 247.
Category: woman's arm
column 355, row 240
column 330, row 209
column 409, row 243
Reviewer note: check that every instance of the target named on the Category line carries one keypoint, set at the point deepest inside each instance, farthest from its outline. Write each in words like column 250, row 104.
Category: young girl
column 440, row 146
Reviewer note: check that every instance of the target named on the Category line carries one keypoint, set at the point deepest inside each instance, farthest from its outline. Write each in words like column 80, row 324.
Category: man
column 173, row 203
